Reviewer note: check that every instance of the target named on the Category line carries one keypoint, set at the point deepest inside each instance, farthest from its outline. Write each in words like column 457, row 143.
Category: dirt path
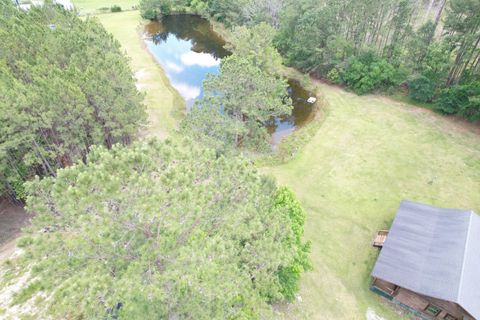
column 12, row 219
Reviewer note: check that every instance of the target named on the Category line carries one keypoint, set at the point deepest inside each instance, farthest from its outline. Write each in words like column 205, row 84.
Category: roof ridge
column 460, row 284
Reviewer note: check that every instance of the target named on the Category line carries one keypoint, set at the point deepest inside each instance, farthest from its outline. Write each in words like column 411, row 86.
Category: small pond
column 188, row 49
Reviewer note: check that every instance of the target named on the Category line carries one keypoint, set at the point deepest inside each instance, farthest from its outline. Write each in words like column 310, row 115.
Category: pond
column 188, row 49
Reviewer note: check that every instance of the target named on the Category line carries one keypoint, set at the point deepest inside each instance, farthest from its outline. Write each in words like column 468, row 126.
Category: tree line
column 431, row 48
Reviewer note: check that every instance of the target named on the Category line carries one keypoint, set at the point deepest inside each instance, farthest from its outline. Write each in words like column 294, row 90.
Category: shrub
column 461, row 99
column 115, row 8
column 369, row 72
column 149, row 9
column 289, row 276
column 334, row 76
column 422, row 89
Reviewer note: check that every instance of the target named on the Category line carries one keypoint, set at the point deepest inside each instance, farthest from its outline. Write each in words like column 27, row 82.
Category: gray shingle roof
column 434, row 252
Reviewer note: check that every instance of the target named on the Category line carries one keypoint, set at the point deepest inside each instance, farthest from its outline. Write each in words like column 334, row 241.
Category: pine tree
column 65, row 85
column 163, row 230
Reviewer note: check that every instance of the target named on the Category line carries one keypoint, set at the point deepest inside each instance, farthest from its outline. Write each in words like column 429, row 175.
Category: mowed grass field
column 164, row 104
column 95, row 6
column 369, row 154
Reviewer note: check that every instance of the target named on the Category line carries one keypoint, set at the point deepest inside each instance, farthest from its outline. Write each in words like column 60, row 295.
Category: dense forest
column 65, row 85
column 431, row 48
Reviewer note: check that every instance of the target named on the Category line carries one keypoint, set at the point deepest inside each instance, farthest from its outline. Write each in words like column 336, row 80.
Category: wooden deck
column 380, row 238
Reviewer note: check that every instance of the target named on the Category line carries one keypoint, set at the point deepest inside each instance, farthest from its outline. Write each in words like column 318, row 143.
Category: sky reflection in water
column 187, row 49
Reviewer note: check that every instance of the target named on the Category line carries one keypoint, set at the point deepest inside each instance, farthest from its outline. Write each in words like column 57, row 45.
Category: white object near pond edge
column 311, row 100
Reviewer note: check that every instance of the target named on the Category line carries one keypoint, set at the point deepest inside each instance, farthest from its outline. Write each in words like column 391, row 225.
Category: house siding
column 417, row 303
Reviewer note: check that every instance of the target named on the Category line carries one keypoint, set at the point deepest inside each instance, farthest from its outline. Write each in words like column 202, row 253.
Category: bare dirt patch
column 13, row 218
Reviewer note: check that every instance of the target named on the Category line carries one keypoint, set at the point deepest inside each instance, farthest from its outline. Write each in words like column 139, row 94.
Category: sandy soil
column 12, row 219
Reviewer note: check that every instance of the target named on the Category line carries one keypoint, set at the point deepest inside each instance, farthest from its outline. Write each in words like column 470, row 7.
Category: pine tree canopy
column 64, row 86
column 163, row 230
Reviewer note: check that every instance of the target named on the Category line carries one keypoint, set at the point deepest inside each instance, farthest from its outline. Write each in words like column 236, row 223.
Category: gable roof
column 434, row 252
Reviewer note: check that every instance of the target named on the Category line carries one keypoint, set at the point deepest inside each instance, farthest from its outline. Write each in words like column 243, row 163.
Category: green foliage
column 334, row 35
column 367, row 73
column 461, row 99
column 116, row 8
column 418, row 45
column 149, row 9
column 24, row 241
column 155, row 9
column 290, row 275
column 65, row 85
column 28, row 292
column 422, row 89
column 305, row 32
column 241, row 100
column 164, row 230
column 198, row 6
column 334, row 76
column 256, row 44
column 208, row 125
column 229, row 12
column 462, row 35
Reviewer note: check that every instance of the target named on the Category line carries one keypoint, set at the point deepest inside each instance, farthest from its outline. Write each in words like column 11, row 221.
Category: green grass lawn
column 164, row 104
column 96, row 6
column 368, row 155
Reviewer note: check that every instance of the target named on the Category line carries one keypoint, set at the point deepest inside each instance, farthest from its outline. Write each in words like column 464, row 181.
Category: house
column 430, row 262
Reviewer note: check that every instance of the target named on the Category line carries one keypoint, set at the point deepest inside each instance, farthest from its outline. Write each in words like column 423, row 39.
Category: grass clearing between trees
column 369, row 154
column 95, row 6
column 164, row 104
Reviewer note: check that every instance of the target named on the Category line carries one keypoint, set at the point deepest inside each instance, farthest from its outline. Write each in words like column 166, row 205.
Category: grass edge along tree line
column 144, row 229
column 432, row 47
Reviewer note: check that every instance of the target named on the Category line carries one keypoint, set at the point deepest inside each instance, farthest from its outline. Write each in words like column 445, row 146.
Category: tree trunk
column 430, row 6
column 439, row 13
column 46, row 165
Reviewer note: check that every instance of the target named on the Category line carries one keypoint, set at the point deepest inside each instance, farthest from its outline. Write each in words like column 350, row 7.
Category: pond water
column 188, row 49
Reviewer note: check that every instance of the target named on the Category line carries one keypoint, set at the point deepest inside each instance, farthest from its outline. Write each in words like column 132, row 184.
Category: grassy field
column 164, row 104
column 368, row 155
column 96, row 6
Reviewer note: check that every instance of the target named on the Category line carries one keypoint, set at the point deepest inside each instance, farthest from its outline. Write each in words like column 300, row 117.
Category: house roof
column 434, row 252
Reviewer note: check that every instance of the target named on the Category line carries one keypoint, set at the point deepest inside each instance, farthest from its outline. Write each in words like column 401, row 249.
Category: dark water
column 187, row 48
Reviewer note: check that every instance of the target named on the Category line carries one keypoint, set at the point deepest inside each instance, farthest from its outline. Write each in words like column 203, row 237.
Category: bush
column 422, row 89
column 334, row 76
column 149, row 9
column 368, row 72
column 115, row 8
column 289, row 276
column 462, row 99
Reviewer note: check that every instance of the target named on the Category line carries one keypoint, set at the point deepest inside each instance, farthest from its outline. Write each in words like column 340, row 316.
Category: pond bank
column 165, row 107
